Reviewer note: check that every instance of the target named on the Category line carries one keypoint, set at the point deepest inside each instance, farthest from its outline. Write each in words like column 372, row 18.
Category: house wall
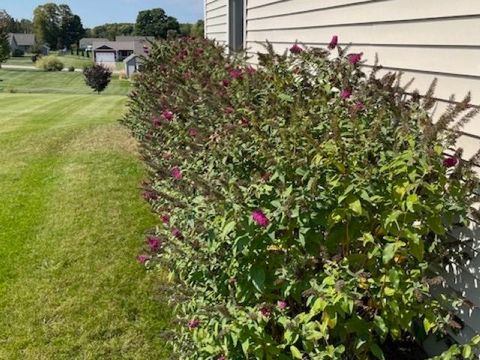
column 216, row 20
column 425, row 39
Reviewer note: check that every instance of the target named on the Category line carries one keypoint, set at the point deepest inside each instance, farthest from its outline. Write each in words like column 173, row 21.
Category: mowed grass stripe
column 71, row 224
column 40, row 82
column 59, row 112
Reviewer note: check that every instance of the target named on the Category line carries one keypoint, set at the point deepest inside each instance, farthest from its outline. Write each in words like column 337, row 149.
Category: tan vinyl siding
column 216, row 20
column 425, row 39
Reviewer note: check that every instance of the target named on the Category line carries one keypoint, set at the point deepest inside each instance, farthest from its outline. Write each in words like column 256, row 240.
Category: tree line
column 58, row 27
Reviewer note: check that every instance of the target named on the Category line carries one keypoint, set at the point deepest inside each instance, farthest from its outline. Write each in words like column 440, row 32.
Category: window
column 236, row 24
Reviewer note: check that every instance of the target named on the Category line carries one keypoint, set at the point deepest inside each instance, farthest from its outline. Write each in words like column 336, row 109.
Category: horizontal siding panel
column 216, row 20
column 272, row 4
column 222, row 19
column 286, row 7
column 448, row 84
column 215, row 5
column 220, row 37
column 310, row 13
column 451, row 32
column 217, row 12
column 213, row 29
column 458, row 61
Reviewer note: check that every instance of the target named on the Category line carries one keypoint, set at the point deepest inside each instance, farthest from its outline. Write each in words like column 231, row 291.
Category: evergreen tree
column 4, row 46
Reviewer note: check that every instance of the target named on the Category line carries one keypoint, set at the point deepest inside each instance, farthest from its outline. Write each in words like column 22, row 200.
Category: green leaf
column 412, row 200
column 355, row 205
column 285, row 98
column 246, row 346
column 318, row 306
column 435, row 223
column 295, row 352
column 389, row 291
column 257, row 275
column 467, row 352
column 380, row 324
column 377, row 352
column 389, row 252
column 228, row 229
column 427, row 325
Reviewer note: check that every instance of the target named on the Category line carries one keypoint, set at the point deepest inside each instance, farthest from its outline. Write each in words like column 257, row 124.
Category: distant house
column 23, row 42
column 87, row 43
column 108, row 53
column 133, row 64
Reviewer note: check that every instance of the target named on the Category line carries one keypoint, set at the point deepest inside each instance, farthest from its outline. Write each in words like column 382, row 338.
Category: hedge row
column 303, row 202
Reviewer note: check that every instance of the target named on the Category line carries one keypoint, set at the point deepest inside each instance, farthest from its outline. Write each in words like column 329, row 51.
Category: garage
column 105, row 57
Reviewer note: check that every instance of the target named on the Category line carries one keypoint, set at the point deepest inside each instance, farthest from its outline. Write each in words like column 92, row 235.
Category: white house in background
column 23, row 42
column 108, row 53
column 425, row 39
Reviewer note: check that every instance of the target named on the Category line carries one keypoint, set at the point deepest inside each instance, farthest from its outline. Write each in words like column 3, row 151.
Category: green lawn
column 71, row 224
column 79, row 62
column 32, row 81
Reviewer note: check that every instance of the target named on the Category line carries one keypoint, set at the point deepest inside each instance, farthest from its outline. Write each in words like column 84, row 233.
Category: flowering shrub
column 303, row 203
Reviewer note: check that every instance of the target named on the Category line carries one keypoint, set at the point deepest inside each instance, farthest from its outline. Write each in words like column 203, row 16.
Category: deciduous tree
column 156, row 23
column 57, row 26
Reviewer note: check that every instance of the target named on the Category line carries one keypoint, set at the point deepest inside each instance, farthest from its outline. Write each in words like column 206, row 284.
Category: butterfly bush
column 303, row 204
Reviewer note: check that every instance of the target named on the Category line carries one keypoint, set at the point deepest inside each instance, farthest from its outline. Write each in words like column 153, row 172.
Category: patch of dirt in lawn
column 103, row 138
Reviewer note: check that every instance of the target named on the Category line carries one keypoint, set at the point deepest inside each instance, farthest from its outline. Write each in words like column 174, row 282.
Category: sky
column 98, row 12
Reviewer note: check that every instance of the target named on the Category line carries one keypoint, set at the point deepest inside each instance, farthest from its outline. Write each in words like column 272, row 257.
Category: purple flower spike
column 333, row 43
column 282, row 304
column 450, row 162
column 154, row 243
column 177, row 173
column 296, row 49
column 193, row 324
column 260, row 218
column 142, row 259
column 346, row 94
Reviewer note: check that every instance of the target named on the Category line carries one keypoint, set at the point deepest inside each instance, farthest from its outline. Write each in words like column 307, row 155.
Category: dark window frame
column 236, row 25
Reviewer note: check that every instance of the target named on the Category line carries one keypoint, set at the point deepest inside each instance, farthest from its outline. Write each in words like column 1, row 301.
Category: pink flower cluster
column 355, row 58
column 154, row 243
column 265, row 311
column 296, row 49
column 282, row 304
column 176, row 173
column 165, row 219
column 333, row 43
column 346, row 94
column 142, row 259
column 260, row 218
column 177, row 233
column 236, row 74
column 193, row 324
column 168, row 115
column 450, row 162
